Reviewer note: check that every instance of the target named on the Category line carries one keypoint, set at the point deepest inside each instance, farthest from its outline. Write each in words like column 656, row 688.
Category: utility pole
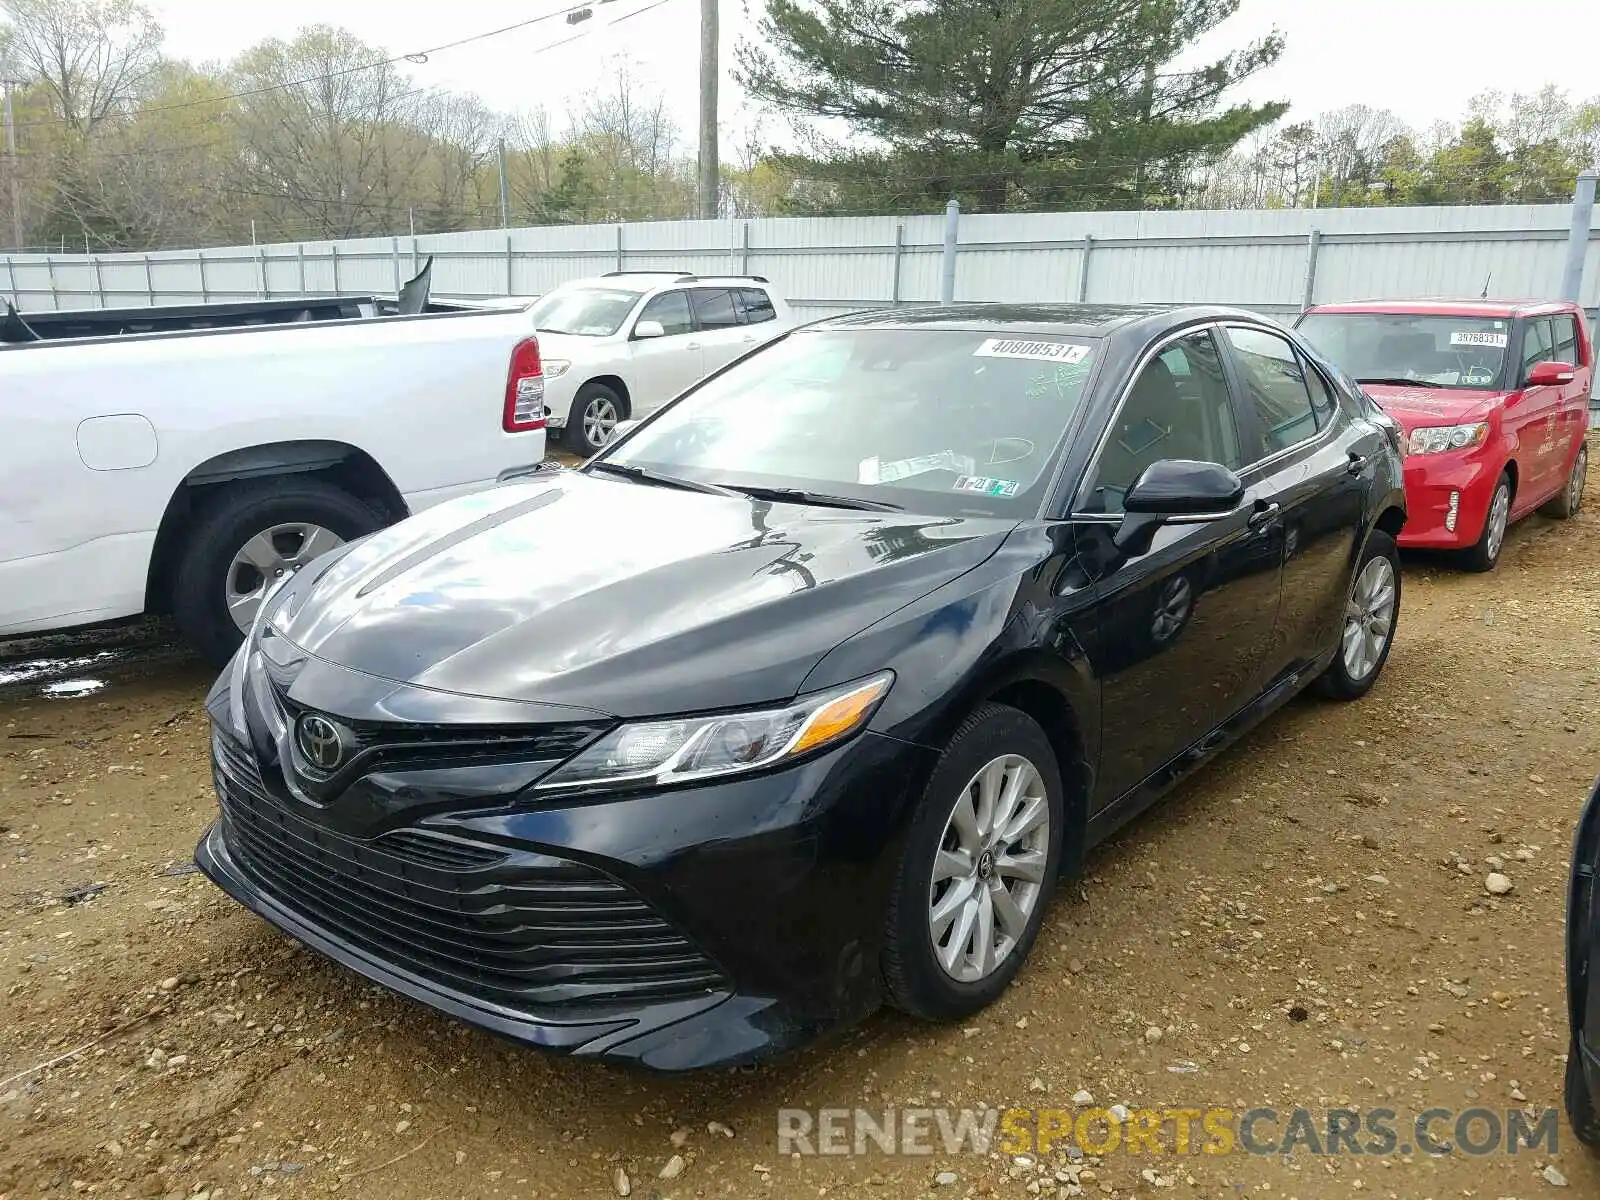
column 11, row 165
column 505, row 192
column 708, row 109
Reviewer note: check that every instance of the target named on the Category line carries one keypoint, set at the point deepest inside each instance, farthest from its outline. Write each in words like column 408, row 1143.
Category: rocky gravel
column 1359, row 906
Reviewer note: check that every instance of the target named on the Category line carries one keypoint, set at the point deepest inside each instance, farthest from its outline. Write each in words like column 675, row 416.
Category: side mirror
column 1551, row 374
column 649, row 329
column 1175, row 491
column 622, row 429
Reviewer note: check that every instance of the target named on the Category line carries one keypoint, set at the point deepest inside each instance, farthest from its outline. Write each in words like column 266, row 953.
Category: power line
column 412, row 56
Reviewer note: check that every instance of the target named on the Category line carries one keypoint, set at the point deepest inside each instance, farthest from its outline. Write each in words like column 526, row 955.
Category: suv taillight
column 524, row 389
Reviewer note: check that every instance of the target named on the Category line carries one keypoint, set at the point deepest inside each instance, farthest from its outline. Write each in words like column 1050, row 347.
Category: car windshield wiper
column 1396, row 381
column 821, row 499
column 661, row 478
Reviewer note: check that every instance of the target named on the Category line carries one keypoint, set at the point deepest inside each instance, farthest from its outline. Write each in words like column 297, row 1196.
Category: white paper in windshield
column 1062, row 352
column 872, row 470
column 1479, row 337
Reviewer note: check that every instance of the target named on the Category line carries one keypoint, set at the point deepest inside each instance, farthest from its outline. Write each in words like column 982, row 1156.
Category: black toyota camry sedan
column 800, row 696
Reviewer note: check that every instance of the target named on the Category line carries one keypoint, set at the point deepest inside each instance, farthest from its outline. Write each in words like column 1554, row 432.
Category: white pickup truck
column 181, row 460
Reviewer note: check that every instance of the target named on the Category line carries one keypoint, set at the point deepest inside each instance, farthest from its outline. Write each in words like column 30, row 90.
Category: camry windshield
column 1403, row 348
column 587, row 312
column 936, row 421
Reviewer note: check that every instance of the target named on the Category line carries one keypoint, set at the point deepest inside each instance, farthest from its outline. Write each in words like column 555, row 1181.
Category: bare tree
column 93, row 56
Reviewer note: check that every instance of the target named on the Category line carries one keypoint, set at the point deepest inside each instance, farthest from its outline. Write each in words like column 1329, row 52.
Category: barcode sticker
column 1479, row 337
column 1062, row 352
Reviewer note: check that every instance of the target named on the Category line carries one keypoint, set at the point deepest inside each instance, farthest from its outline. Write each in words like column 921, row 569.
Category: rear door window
column 1275, row 386
column 713, row 308
column 1566, row 339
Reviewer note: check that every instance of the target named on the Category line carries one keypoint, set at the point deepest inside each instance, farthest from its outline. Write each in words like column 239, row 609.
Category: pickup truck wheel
column 244, row 541
column 595, row 412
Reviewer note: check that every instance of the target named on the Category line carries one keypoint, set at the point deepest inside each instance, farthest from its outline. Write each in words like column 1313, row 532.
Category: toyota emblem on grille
column 320, row 742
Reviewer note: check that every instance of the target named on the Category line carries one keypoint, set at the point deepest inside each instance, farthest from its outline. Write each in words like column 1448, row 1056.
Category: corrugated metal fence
column 1275, row 262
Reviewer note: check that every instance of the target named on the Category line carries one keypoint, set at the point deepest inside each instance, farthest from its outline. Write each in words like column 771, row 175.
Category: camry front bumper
column 699, row 927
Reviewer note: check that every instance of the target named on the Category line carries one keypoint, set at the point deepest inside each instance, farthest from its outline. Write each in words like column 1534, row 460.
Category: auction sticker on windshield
column 1479, row 337
column 1063, row 352
column 989, row 487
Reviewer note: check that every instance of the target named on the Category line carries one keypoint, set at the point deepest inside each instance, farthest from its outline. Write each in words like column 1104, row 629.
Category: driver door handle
column 1265, row 514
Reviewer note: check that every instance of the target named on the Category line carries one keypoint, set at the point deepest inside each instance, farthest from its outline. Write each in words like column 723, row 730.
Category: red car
column 1493, row 399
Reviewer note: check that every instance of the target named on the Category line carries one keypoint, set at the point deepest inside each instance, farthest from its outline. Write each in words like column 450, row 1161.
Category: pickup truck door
column 723, row 336
column 665, row 366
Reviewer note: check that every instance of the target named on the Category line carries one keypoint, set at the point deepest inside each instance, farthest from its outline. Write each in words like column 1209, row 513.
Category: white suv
column 619, row 346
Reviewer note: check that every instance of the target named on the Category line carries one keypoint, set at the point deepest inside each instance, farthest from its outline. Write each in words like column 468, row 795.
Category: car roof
column 1450, row 308
column 1064, row 320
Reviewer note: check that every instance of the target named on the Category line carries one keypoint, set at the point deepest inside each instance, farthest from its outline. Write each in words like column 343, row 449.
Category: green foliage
column 1005, row 104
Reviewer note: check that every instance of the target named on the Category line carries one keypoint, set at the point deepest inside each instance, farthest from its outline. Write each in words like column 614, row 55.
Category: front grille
column 527, row 931
column 440, row 850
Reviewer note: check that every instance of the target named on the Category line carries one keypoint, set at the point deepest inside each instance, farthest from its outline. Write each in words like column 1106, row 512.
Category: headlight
column 555, row 368
column 1441, row 438
column 665, row 752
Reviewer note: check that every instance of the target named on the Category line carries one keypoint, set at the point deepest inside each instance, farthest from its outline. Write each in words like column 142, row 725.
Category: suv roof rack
column 756, row 278
column 674, row 274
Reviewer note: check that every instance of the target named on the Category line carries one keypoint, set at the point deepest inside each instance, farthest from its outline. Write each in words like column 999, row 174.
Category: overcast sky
column 1421, row 58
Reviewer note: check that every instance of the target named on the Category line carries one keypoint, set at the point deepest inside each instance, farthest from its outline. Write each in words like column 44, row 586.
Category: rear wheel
column 1485, row 555
column 595, row 412
column 1570, row 500
column 978, row 870
column 1370, row 616
column 246, row 539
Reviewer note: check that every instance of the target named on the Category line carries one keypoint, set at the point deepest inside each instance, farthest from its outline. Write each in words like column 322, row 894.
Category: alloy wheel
column 1369, row 618
column 266, row 559
column 1499, row 517
column 599, row 419
column 989, row 873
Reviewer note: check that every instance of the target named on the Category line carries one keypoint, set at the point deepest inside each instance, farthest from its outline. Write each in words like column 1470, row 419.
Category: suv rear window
column 755, row 306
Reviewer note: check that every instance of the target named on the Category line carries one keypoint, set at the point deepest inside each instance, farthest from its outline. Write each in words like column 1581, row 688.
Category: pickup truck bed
column 186, row 470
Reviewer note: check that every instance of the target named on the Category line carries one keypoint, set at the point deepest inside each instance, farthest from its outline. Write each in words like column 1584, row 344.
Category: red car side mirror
column 1551, row 374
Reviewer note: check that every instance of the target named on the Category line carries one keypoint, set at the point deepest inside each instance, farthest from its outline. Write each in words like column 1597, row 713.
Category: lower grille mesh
column 525, row 931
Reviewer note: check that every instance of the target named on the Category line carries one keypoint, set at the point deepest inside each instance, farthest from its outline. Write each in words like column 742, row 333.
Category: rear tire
column 917, row 980
column 1570, row 501
column 223, row 527
column 595, row 412
column 1358, row 663
column 1485, row 555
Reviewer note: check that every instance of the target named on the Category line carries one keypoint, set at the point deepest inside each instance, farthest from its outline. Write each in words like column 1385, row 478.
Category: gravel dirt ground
column 1307, row 924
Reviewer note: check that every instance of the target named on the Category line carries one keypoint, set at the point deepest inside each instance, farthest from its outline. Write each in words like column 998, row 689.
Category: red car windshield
column 1410, row 349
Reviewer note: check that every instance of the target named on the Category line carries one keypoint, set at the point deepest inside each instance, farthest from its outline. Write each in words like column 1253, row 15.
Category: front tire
column 1581, row 1113
column 596, row 410
column 1570, row 501
column 1371, row 613
column 1485, row 555
column 247, row 538
column 978, row 869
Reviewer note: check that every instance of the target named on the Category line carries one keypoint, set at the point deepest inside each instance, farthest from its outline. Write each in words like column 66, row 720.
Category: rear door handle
column 1265, row 514
column 1358, row 462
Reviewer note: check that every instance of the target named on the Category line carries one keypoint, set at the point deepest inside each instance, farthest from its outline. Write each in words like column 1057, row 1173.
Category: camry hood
column 1420, row 407
column 620, row 597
